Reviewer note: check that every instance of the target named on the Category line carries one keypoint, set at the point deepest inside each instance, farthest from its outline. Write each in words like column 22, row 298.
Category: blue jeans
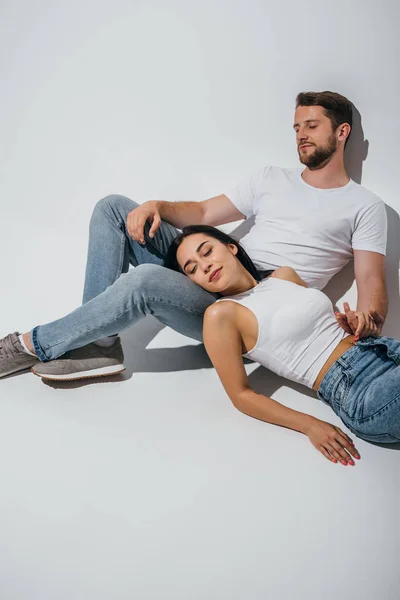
column 116, row 297
column 363, row 389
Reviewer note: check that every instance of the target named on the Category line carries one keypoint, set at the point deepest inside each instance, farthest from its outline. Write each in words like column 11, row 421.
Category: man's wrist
column 159, row 206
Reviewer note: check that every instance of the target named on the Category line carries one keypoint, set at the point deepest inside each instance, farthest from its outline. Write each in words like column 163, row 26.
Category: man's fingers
column 372, row 325
column 361, row 326
column 155, row 225
column 376, row 317
column 137, row 219
column 129, row 223
column 132, row 225
column 138, row 229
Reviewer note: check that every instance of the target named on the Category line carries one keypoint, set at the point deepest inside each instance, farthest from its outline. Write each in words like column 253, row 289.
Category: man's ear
column 344, row 132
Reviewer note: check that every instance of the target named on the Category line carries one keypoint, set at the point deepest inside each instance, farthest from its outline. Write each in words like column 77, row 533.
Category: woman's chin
column 214, row 289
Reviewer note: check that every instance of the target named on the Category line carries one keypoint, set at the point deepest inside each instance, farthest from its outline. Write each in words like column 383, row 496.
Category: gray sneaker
column 82, row 363
column 12, row 356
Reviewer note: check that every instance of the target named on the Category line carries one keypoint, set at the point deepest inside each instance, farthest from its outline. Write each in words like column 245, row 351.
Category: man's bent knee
column 114, row 203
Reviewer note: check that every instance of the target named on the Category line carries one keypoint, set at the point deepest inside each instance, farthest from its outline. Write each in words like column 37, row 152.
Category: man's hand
column 137, row 219
column 332, row 442
column 359, row 323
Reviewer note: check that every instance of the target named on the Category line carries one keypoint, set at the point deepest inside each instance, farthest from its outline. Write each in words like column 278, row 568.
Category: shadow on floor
column 138, row 359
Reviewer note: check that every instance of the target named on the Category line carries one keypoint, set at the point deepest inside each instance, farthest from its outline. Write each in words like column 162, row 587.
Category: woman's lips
column 215, row 274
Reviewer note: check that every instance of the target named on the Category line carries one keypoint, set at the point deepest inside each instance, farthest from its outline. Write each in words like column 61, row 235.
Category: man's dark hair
column 171, row 261
column 337, row 108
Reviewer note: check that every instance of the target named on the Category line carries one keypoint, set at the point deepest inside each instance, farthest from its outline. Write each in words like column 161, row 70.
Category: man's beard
column 320, row 155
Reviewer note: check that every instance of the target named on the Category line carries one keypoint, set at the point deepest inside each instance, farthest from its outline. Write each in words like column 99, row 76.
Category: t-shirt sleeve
column 370, row 232
column 244, row 195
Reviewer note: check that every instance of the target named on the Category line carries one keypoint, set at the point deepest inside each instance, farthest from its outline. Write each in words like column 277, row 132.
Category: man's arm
column 214, row 211
column 369, row 270
column 368, row 319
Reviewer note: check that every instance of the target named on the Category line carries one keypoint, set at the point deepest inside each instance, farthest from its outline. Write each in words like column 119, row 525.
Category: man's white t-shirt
column 312, row 230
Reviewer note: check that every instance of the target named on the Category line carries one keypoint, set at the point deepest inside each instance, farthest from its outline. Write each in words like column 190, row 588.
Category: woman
column 291, row 329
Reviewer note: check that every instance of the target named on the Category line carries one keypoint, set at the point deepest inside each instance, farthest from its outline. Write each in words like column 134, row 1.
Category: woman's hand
column 332, row 442
column 359, row 323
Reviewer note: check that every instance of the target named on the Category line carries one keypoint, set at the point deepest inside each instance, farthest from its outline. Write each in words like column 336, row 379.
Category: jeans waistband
column 349, row 360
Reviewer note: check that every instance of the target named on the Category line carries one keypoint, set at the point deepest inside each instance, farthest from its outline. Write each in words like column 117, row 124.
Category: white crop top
column 297, row 329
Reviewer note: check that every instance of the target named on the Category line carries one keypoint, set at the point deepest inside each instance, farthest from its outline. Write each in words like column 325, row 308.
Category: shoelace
column 7, row 347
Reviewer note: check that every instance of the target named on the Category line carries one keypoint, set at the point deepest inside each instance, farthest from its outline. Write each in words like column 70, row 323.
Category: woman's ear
column 234, row 249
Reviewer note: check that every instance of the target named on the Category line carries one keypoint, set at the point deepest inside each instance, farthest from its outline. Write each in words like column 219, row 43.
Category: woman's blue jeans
column 363, row 389
column 115, row 297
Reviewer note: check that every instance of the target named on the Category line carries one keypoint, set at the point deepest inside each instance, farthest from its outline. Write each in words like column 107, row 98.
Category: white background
column 153, row 486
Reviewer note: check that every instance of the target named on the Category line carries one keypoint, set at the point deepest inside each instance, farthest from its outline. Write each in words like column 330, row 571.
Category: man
column 314, row 220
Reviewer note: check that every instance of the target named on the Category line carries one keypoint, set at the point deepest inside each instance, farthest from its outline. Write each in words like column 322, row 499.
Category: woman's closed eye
column 192, row 272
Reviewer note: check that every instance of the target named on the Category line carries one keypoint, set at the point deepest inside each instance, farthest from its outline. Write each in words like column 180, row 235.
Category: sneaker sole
column 100, row 372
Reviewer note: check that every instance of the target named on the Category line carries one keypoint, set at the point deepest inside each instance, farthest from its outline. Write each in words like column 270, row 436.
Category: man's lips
column 306, row 145
column 214, row 274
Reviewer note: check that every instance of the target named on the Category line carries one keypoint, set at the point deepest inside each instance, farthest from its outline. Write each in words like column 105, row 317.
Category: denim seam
column 121, row 223
column 86, row 331
column 346, row 392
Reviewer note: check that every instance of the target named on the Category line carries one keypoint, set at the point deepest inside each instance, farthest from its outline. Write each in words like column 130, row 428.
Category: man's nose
column 301, row 136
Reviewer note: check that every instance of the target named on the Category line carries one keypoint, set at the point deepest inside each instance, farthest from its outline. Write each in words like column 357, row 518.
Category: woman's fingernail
column 344, row 463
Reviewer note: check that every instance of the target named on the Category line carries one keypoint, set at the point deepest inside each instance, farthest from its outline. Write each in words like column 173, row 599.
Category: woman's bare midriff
column 341, row 348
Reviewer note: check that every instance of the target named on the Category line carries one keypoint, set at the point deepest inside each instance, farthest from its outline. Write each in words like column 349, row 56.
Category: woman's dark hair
column 337, row 108
column 171, row 262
